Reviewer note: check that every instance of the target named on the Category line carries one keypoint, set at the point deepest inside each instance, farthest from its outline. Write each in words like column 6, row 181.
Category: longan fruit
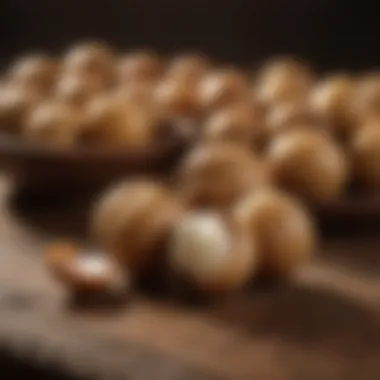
column 366, row 98
column 77, row 90
column 283, row 229
column 218, row 174
column 221, row 88
column 91, row 59
column 132, row 222
column 188, row 68
column 239, row 123
column 141, row 66
column 15, row 103
column 283, row 80
column 285, row 116
column 37, row 71
column 110, row 121
column 331, row 100
column 54, row 123
column 365, row 155
column 308, row 163
column 177, row 99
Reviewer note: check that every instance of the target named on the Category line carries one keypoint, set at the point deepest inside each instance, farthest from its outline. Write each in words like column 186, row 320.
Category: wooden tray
column 324, row 326
column 35, row 165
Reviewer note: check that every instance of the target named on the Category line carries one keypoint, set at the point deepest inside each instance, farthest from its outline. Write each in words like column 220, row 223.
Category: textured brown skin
column 111, row 121
column 188, row 68
column 36, row 71
column 365, row 156
column 90, row 59
column 309, row 164
column 132, row 222
column 240, row 123
column 332, row 101
column 283, row 228
column 139, row 66
column 15, row 104
column 218, row 174
column 366, row 98
column 283, row 80
column 53, row 123
column 289, row 116
column 77, row 89
column 221, row 88
column 177, row 99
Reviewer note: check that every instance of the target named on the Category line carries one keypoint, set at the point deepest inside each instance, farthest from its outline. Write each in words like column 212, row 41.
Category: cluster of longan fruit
column 317, row 135
column 261, row 146
column 218, row 227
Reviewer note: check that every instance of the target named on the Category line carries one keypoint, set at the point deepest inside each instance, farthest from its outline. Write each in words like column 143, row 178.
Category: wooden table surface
column 325, row 325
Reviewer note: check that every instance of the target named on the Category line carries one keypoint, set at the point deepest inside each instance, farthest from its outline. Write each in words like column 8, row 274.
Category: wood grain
column 325, row 325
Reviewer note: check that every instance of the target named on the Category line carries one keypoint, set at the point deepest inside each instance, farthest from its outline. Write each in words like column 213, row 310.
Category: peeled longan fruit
column 331, row 100
column 212, row 252
column 365, row 155
column 111, row 121
column 76, row 90
column 284, row 231
column 132, row 222
column 15, row 103
column 84, row 272
column 177, row 99
column 283, row 80
column 238, row 123
column 54, row 123
column 285, row 116
column 139, row 66
column 188, row 68
column 218, row 174
column 308, row 163
column 91, row 59
column 37, row 71
column 221, row 88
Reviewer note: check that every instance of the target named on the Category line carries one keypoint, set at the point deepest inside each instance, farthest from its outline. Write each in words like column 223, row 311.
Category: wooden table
column 326, row 325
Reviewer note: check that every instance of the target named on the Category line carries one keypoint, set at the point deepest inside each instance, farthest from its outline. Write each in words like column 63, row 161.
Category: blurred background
column 330, row 33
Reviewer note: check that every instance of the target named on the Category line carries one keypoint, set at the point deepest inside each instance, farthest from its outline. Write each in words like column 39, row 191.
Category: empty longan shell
column 308, row 163
column 212, row 252
column 218, row 174
column 82, row 272
column 132, row 222
column 283, row 229
column 54, row 123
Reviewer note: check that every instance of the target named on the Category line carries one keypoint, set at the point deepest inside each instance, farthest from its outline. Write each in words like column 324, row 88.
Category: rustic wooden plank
column 326, row 325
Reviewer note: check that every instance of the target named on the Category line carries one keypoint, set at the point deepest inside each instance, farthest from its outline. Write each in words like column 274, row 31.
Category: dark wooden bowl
column 45, row 167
